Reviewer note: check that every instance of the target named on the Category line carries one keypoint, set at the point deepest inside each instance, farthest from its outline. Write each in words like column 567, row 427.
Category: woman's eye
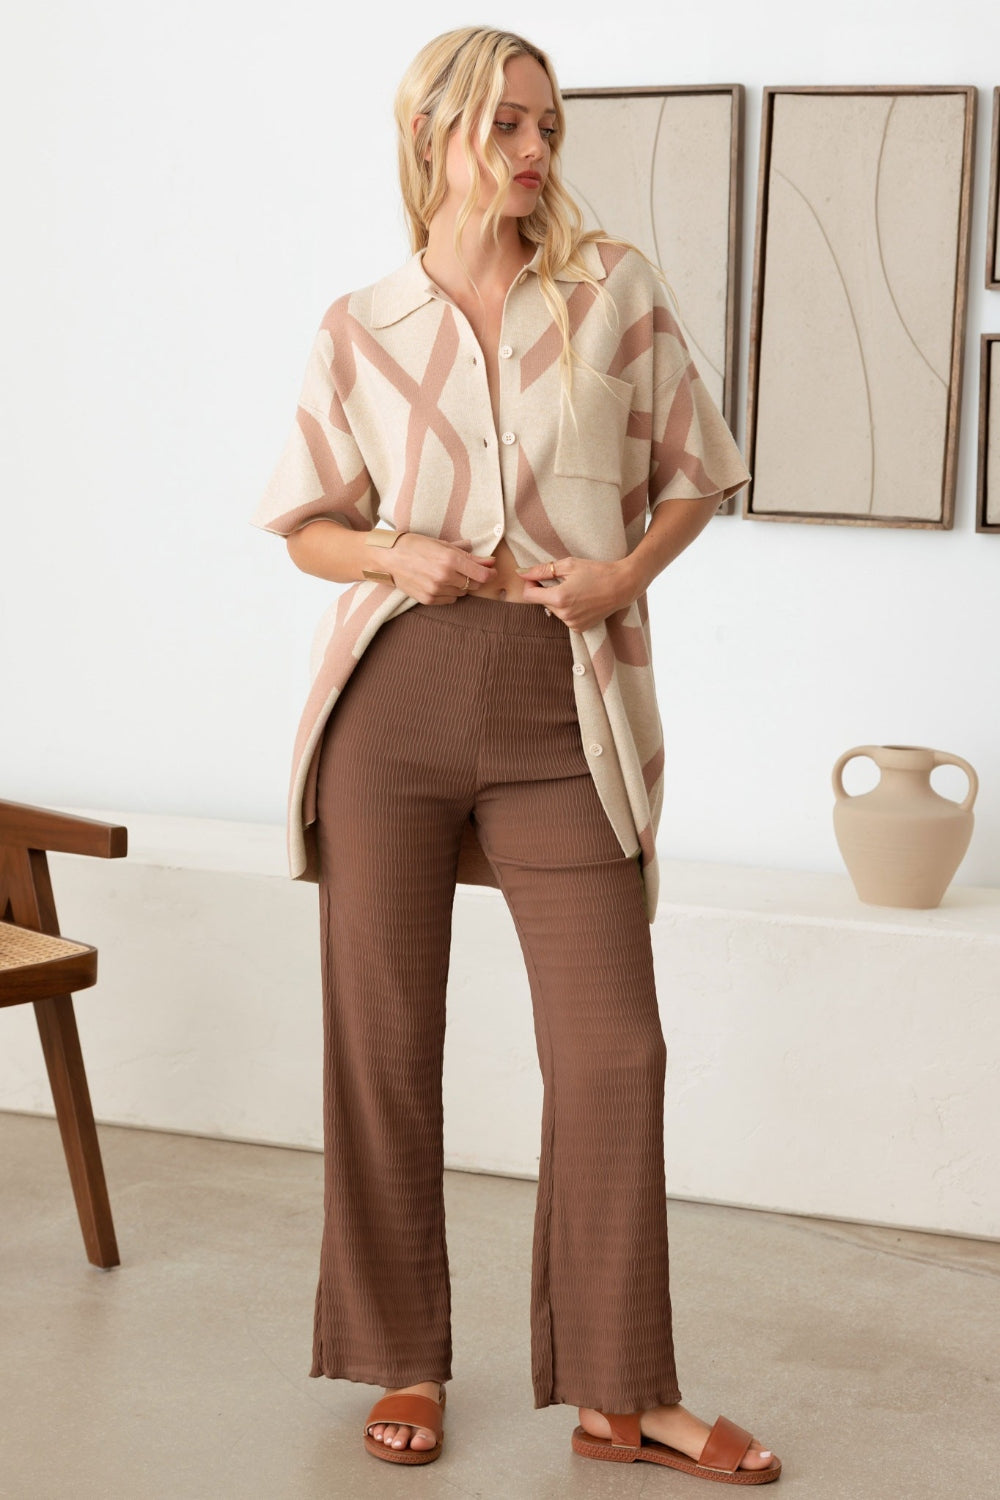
column 548, row 131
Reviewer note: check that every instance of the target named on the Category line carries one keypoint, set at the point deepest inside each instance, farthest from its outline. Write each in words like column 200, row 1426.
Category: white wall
column 193, row 185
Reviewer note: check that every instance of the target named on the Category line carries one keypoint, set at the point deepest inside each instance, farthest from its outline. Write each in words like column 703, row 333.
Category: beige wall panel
column 814, row 451
column 993, row 222
column 858, row 305
column 993, row 440
column 655, row 169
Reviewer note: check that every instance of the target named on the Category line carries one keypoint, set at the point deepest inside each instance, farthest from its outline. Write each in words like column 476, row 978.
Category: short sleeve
column 321, row 473
column 693, row 454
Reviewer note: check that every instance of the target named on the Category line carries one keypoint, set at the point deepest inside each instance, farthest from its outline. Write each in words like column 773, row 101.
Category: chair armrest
column 26, row 827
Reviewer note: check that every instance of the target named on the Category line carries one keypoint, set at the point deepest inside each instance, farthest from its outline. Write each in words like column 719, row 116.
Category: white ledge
column 819, row 1060
column 686, row 885
column 827, row 899
column 178, row 843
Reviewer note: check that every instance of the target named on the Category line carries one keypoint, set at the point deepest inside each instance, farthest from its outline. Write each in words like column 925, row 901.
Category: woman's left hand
column 587, row 592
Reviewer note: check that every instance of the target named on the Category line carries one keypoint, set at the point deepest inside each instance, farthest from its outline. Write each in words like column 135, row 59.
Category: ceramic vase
column 902, row 842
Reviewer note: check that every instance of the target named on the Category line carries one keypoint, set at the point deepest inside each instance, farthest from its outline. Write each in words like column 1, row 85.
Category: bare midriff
column 506, row 583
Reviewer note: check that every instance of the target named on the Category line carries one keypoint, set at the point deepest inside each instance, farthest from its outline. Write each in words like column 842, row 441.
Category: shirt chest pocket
column 593, row 446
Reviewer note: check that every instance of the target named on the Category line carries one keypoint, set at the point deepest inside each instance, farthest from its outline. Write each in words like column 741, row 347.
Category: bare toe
column 756, row 1457
column 400, row 1435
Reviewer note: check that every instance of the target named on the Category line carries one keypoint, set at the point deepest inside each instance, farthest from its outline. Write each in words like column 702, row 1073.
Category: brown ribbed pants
column 455, row 709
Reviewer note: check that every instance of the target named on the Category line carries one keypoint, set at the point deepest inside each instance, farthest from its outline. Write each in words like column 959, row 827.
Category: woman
column 511, row 403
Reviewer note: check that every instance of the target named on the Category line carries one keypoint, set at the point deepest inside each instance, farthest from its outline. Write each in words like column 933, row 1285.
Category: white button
column 596, row 749
column 505, row 351
column 579, row 668
column 507, row 437
column 498, row 529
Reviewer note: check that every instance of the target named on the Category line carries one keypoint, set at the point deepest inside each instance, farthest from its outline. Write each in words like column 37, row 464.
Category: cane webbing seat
column 36, row 964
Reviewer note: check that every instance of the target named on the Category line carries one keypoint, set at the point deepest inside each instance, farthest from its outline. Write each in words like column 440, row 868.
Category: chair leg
column 68, row 1080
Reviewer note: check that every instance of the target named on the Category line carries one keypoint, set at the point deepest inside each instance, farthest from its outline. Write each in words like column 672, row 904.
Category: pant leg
column 392, row 799
column 601, row 1324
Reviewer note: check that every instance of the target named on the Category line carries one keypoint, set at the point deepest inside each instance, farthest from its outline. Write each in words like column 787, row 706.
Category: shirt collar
column 409, row 287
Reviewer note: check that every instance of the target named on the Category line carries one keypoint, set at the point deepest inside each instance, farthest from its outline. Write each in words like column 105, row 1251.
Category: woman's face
column 524, row 123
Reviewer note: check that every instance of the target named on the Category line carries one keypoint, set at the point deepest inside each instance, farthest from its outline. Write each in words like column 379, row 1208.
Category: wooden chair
column 38, row 965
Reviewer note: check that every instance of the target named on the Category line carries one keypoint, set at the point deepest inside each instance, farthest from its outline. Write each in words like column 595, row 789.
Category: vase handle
column 838, row 771
column 942, row 758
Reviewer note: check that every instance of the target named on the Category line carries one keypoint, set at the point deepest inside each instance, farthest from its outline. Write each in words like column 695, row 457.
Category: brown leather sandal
column 413, row 1410
column 720, row 1458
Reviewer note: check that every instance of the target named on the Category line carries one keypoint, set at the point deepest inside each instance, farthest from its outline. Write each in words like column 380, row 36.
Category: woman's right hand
column 434, row 572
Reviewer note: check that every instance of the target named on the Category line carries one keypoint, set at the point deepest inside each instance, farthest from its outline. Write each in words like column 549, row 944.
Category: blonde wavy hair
column 457, row 81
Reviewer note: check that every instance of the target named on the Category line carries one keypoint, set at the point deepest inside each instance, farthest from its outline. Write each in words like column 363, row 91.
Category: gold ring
column 553, row 567
column 465, row 585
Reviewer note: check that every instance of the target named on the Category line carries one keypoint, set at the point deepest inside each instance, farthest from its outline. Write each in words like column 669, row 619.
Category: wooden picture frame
column 993, row 217
column 860, row 284
column 988, row 467
column 628, row 154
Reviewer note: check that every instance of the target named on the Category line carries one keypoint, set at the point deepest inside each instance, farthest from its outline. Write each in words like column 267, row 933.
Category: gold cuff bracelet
column 380, row 536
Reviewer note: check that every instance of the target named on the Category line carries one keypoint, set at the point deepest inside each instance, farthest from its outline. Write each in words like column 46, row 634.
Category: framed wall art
column 988, row 485
column 663, row 167
column 993, row 218
column 861, row 266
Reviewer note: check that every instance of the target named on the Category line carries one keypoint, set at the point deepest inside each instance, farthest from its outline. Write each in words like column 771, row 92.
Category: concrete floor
column 866, row 1358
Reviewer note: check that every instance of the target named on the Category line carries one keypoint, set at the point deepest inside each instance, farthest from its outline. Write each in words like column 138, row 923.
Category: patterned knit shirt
column 394, row 424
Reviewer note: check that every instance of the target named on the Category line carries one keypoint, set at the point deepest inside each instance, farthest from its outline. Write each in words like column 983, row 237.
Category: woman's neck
column 492, row 268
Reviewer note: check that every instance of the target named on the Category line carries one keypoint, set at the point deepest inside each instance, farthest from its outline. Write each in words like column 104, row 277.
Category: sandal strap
column 725, row 1446
column 625, row 1429
column 412, row 1410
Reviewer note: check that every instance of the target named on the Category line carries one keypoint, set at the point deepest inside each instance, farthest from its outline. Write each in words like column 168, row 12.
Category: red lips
column 530, row 179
